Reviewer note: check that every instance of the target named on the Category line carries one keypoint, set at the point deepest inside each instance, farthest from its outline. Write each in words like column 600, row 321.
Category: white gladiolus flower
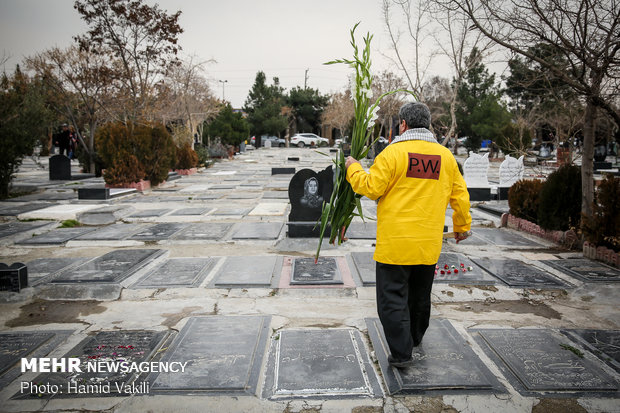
column 374, row 115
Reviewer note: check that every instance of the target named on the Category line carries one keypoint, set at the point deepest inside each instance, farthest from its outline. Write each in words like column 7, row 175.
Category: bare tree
column 417, row 26
column 339, row 111
column 81, row 83
column 385, row 82
column 143, row 40
column 585, row 32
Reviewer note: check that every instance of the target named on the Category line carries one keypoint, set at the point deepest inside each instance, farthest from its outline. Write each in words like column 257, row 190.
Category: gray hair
column 415, row 115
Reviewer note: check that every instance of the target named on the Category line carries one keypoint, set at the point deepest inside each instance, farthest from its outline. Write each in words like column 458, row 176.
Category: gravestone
column 443, row 363
column 475, row 172
column 257, row 230
column 159, row 232
column 107, row 346
column 463, row 276
column 537, row 360
column 108, row 214
column 15, row 345
column 21, row 209
column 282, row 171
column 204, row 231
column 366, row 267
column 42, row 268
column 362, row 230
column 320, row 363
column 232, row 210
column 12, row 228
column 60, row 168
column 605, row 344
column 510, row 171
column 518, row 274
column 98, row 193
column 504, row 237
column 307, row 191
column 115, row 232
column 57, row 236
column 293, row 159
column 177, row 272
column 149, row 213
column 224, row 356
column 113, row 267
column 306, row 272
column 585, row 269
column 245, row 272
column 190, row 211
column 13, row 277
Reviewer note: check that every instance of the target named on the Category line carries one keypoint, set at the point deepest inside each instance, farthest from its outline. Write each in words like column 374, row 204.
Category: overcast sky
column 281, row 37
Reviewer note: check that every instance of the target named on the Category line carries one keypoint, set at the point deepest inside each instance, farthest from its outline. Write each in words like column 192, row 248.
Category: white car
column 308, row 139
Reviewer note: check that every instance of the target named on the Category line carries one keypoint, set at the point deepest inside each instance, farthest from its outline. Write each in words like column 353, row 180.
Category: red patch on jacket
column 423, row 166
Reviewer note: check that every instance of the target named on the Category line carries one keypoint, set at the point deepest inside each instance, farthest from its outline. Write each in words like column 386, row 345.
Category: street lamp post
column 223, row 82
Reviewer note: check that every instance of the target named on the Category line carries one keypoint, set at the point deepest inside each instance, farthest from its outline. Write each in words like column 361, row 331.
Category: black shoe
column 400, row 364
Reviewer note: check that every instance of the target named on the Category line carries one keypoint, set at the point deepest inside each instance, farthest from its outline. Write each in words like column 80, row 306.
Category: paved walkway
column 199, row 278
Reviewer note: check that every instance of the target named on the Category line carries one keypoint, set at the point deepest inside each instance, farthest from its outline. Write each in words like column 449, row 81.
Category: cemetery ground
column 200, row 273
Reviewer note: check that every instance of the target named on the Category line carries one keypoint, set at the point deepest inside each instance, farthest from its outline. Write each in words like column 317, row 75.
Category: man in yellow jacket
column 414, row 178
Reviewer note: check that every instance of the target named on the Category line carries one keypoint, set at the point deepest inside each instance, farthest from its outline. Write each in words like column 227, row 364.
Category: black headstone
column 13, row 277
column 93, row 193
column 307, row 191
column 60, row 168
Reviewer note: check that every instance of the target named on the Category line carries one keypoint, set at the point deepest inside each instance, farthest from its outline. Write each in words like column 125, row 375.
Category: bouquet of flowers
column 340, row 210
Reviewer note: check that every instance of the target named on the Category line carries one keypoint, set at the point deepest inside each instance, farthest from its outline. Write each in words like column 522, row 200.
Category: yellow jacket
column 414, row 180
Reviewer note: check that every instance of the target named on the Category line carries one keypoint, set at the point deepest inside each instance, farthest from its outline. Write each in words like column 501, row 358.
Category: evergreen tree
column 229, row 126
column 480, row 114
column 23, row 121
column 307, row 105
column 264, row 108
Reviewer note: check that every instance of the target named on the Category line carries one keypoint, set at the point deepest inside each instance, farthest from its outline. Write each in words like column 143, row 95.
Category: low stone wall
column 568, row 239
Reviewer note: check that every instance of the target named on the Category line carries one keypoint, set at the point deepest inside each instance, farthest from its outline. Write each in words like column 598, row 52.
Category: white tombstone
column 267, row 144
column 510, row 171
column 475, row 170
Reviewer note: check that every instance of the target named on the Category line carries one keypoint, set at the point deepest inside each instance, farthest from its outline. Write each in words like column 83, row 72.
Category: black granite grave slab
column 49, row 195
column 258, row 230
column 519, row 274
column 49, row 267
column 443, row 363
column 366, row 267
column 57, row 236
column 222, row 187
column 275, row 195
column 362, row 230
column 177, row 272
column 114, row 232
column 150, row 213
column 224, row 356
column 320, row 363
column 585, row 269
column 245, row 272
column 12, row 228
column 107, row 347
column 112, row 267
column 539, row 360
column 209, row 196
column 306, row 272
column 204, row 231
column 231, row 211
column 191, row 211
column 22, row 209
column 15, row 345
column 461, row 263
column 604, row 344
column 503, row 237
column 495, row 208
column 282, row 171
column 159, row 232
column 28, row 344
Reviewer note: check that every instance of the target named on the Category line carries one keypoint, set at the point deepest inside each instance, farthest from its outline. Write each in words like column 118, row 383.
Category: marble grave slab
column 504, row 238
column 159, row 232
column 204, row 231
column 306, row 272
column 245, row 272
column 366, row 267
column 57, row 236
column 177, row 272
column 604, row 344
column 258, row 230
column 476, row 276
column 519, row 274
column 114, row 232
column 585, row 269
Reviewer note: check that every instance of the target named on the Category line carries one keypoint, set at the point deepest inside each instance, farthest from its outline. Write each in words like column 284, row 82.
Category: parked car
column 275, row 141
column 308, row 139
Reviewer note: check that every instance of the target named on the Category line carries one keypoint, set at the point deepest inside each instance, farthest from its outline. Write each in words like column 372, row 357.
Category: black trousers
column 404, row 305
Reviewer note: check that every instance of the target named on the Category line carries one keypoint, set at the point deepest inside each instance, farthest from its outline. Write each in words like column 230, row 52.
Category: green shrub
column 203, row 154
column 124, row 171
column 187, row 158
column 560, row 199
column 523, row 199
column 151, row 145
column 603, row 228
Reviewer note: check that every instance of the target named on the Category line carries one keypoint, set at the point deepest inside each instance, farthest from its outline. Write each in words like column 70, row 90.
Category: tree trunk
column 587, row 175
